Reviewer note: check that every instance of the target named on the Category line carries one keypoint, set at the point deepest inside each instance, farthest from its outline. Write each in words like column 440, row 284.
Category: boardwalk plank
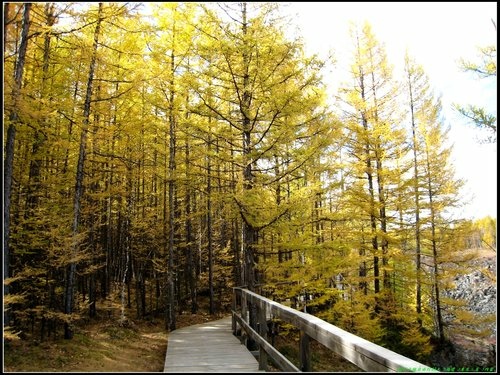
column 208, row 347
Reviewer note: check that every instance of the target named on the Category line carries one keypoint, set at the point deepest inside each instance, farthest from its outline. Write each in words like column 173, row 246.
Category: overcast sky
column 437, row 35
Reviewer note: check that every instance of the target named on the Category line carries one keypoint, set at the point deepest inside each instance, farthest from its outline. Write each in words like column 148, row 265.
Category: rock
column 479, row 292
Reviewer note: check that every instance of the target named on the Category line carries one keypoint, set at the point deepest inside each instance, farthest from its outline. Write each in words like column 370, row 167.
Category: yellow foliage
column 357, row 317
column 418, row 341
column 10, row 335
column 464, row 316
column 11, row 299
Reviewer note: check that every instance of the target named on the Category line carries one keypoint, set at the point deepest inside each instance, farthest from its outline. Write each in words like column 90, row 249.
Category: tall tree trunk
column 70, row 278
column 127, row 239
column 373, row 219
column 235, row 229
column 418, row 267
column 93, row 217
column 36, row 162
column 383, row 224
column 190, row 276
column 9, row 147
column 250, row 234
column 6, row 21
column 381, row 194
column 171, row 200
column 278, row 203
column 439, row 317
column 190, row 262
column 209, row 220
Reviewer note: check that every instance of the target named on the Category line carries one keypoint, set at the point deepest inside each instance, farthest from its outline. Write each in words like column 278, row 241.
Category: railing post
column 305, row 352
column 244, row 309
column 233, row 308
column 253, row 320
column 263, row 334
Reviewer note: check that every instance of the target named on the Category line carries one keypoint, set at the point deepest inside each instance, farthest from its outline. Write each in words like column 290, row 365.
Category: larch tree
column 372, row 140
column 269, row 99
column 171, row 57
column 376, row 182
column 71, row 273
column 441, row 195
column 13, row 118
column 417, row 87
column 263, row 78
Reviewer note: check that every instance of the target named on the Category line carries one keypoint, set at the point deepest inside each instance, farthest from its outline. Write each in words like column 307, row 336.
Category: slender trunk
column 439, row 317
column 72, row 115
column 171, row 200
column 93, row 217
column 70, row 279
column 209, row 221
column 190, row 263
column 9, row 147
column 384, row 245
column 36, row 162
column 418, row 270
column 373, row 226
column 373, row 219
column 6, row 21
column 383, row 224
column 165, row 233
column 127, row 240
column 250, row 234
column 238, row 274
column 278, row 203
column 123, row 317
column 92, row 294
column 191, row 266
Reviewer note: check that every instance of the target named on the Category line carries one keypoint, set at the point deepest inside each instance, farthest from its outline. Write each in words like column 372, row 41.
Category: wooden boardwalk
column 208, row 347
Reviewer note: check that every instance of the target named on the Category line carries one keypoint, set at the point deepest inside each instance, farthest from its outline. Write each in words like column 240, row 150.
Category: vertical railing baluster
column 233, row 312
column 263, row 334
column 305, row 352
column 244, row 310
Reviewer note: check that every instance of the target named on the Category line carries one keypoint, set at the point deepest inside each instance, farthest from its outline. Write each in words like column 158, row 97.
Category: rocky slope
column 474, row 341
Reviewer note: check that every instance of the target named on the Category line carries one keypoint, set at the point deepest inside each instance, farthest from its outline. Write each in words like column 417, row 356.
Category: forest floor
column 104, row 346
column 99, row 346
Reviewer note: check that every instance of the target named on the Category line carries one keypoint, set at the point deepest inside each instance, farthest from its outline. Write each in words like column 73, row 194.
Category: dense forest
column 161, row 152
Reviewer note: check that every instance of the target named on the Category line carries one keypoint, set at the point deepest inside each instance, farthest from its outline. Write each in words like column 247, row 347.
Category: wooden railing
column 362, row 353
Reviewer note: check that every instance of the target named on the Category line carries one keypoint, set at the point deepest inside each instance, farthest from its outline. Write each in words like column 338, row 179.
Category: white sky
column 437, row 35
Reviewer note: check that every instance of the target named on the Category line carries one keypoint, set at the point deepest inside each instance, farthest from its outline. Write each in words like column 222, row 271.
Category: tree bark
column 36, row 162
column 249, row 232
column 373, row 224
column 209, row 221
column 418, row 267
column 190, row 262
column 437, row 296
column 9, row 147
column 6, row 8
column 171, row 200
column 70, row 279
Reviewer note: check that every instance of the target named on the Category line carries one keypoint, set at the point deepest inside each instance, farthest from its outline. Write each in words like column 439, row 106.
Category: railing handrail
column 363, row 353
